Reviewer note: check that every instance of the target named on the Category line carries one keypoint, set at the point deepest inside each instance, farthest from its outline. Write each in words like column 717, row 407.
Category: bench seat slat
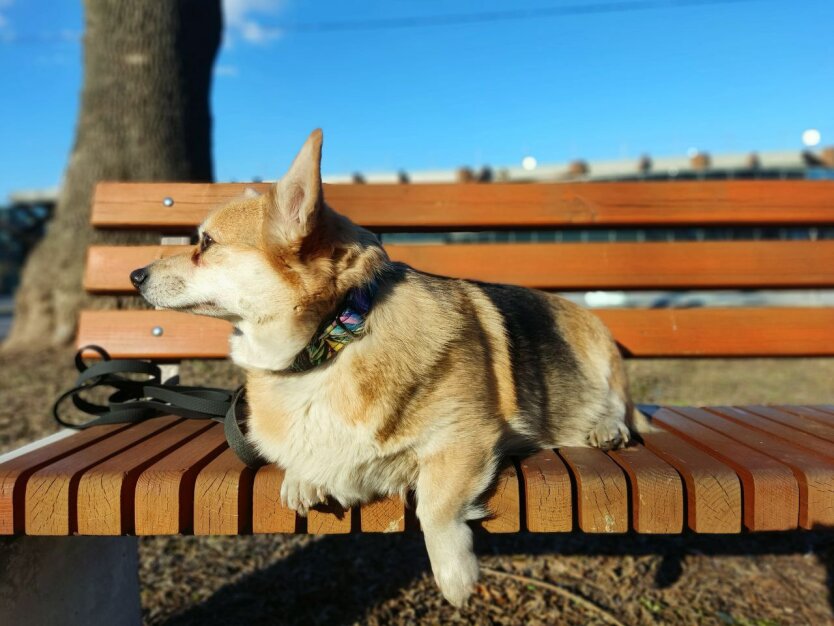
column 329, row 519
column 52, row 491
column 699, row 332
column 823, row 417
column 16, row 472
column 712, row 488
column 268, row 514
column 682, row 203
column 223, row 496
column 814, row 474
column 602, row 496
column 504, row 504
column 547, row 492
column 564, row 266
column 164, row 499
column 764, row 480
column 387, row 515
column 106, row 492
column 799, row 422
column 656, row 491
column 796, row 437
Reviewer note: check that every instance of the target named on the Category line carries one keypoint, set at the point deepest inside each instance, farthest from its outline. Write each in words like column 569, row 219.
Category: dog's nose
column 137, row 277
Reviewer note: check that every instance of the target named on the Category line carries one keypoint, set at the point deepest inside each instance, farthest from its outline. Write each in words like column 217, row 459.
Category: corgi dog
column 366, row 377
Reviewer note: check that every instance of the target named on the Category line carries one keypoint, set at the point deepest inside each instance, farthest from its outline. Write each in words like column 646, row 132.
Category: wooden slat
column 714, row 332
column 504, row 504
column 564, row 266
column 51, row 492
column 602, row 495
column 814, row 473
column 770, row 491
column 268, row 514
column 681, row 203
column 383, row 516
column 329, row 519
column 799, row 422
column 223, row 497
column 799, row 438
column 106, row 491
column 712, row 488
column 130, row 333
column 822, row 417
column 656, row 491
column 16, row 472
column 164, row 493
column 547, row 493
column 706, row 332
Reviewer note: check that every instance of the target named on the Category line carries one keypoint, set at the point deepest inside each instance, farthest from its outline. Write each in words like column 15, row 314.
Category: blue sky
column 723, row 78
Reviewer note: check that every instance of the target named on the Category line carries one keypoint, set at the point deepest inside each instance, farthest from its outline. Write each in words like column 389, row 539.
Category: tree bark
column 144, row 116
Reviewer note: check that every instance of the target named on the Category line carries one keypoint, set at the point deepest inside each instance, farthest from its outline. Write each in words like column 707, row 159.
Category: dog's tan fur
column 450, row 375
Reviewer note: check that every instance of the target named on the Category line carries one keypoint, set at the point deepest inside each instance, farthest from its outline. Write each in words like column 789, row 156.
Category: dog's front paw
column 300, row 495
column 457, row 577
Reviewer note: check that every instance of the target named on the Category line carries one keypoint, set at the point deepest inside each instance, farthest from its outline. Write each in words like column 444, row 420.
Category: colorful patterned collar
column 333, row 336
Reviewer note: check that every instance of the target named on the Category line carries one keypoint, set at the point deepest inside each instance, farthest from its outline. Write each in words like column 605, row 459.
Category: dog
column 367, row 378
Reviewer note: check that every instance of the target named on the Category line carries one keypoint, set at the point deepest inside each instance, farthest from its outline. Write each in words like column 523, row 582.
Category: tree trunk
column 144, row 116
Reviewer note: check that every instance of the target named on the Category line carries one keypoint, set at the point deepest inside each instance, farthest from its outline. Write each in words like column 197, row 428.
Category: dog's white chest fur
column 298, row 423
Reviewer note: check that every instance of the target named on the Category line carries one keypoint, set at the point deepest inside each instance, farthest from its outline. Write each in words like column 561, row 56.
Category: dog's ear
column 297, row 198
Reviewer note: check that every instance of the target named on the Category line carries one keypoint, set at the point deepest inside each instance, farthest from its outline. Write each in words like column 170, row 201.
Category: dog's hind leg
column 449, row 485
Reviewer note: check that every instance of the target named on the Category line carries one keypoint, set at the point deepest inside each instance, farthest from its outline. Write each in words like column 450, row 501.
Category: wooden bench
column 709, row 470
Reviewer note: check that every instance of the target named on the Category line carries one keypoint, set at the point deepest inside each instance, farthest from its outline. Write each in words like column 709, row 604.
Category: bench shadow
column 339, row 578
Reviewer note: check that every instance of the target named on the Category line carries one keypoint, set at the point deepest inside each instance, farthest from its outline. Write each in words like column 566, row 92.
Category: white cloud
column 243, row 19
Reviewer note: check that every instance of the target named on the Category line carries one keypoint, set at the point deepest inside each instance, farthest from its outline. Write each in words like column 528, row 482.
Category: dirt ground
column 574, row 579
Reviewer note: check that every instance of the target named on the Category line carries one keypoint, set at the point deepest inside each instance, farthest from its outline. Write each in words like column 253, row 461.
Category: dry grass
column 750, row 580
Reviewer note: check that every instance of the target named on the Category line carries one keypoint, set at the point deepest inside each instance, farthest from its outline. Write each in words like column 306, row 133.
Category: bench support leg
column 69, row 581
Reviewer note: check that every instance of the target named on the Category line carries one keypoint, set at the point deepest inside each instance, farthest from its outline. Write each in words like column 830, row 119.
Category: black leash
column 136, row 399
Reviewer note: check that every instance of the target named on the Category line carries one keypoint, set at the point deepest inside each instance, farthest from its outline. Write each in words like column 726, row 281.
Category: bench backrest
column 176, row 208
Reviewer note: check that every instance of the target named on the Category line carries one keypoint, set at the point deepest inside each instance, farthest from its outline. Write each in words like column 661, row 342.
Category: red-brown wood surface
column 798, row 422
column 106, row 491
column 329, row 519
column 16, row 472
column 383, row 516
column 564, row 266
column 814, row 473
column 268, row 514
column 796, row 437
column 547, row 493
column 765, row 481
column 705, row 332
column 656, row 491
column 187, row 480
column 712, row 488
column 602, row 495
column 223, row 497
column 504, row 504
column 418, row 206
column 823, row 417
column 52, row 492
column 164, row 494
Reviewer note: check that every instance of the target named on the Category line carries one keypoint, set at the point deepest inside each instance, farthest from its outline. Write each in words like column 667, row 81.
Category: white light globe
column 811, row 137
column 529, row 163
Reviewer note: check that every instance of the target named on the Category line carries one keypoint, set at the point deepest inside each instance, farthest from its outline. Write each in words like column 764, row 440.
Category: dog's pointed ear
column 297, row 198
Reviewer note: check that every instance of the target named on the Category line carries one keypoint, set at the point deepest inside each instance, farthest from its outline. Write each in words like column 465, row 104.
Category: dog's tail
column 639, row 419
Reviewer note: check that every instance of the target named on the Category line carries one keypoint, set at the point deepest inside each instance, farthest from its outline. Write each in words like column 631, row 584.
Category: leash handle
column 140, row 394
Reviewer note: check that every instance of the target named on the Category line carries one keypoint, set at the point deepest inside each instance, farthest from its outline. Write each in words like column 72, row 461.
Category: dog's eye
column 205, row 242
